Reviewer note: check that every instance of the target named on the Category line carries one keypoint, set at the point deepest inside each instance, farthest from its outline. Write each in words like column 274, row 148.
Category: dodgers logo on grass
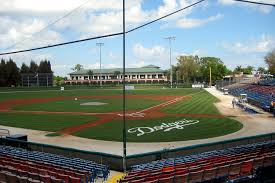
column 165, row 127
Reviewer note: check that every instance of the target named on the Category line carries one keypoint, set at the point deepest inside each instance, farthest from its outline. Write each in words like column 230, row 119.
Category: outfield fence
column 115, row 161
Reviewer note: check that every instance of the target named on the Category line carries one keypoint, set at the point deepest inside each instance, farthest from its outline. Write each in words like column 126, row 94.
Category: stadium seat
column 2, row 177
column 246, row 167
column 167, row 180
column 183, row 178
column 209, row 174
column 195, row 176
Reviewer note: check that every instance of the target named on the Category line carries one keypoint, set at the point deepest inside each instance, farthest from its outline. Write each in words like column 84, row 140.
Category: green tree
column 77, row 67
column 188, row 68
column 24, row 69
column 248, row 70
column 13, row 76
column 90, row 73
column 270, row 61
column 218, row 69
column 44, row 67
column 244, row 70
column 116, row 73
column 228, row 72
column 262, row 70
column 238, row 69
column 3, row 73
column 33, row 67
column 58, row 80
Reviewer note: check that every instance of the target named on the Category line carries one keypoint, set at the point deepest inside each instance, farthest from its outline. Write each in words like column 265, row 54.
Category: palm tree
column 117, row 73
column 90, row 74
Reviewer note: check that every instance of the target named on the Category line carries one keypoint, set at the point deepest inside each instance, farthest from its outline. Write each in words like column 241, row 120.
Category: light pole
column 100, row 45
column 171, row 38
column 210, row 76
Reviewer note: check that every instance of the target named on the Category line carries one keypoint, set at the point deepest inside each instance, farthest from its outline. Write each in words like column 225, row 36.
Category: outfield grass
column 42, row 121
column 201, row 102
column 206, row 128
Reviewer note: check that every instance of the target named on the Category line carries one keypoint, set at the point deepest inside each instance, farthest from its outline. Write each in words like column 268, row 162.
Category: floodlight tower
column 100, row 45
column 171, row 38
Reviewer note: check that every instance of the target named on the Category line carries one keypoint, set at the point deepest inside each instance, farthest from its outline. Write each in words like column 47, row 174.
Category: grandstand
column 20, row 165
column 242, row 163
column 260, row 94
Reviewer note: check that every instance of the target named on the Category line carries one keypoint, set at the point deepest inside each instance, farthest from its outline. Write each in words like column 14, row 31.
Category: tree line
column 190, row 69
column 10, row 74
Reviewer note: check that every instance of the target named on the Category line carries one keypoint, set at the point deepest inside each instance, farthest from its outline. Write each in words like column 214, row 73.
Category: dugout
column 37, row 79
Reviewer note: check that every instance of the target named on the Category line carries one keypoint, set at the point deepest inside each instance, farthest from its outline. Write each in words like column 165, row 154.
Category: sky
column 238, row 33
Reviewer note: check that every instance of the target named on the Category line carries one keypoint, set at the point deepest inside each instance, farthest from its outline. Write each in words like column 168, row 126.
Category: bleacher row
column 260, row 96
column 20, row 165
column 267, row 82
column 237, row 163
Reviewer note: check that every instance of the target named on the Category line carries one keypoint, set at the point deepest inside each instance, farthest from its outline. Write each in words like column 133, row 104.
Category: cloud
column 261, row 8
column 191, row 23
column 94, row 18
column 18, row 31
column 259, row 45
column 155, row 51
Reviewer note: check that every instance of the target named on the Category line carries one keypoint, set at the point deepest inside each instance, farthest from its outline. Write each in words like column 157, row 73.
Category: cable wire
column 254, row 2
column 160, row 18
column 61, row 44
column 98, row 37
column 120, row 33
column 47, row 26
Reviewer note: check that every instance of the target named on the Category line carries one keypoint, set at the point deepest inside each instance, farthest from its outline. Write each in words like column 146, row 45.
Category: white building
column 146, row 74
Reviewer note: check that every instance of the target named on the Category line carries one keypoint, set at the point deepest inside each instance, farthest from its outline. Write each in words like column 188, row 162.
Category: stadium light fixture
column 171, row 38
column 100, row 45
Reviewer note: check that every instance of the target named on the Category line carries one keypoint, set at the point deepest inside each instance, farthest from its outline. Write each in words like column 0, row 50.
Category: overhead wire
column 120, row 33
column 48, row 25
column 255, row 2
column 165, row 16
column 99, row 37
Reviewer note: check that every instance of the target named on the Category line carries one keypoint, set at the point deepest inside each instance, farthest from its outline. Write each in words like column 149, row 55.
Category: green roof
column 145, row 69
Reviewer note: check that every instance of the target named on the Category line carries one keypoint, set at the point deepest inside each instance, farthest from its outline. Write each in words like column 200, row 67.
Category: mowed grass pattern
column 72, row 105
column 201, row 102
column 206, row 128
column 42, row 121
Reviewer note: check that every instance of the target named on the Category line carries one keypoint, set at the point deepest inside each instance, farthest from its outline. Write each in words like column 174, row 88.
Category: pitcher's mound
column 93, row 103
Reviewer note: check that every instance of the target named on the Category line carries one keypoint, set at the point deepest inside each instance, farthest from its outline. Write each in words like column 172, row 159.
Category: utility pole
column 171, row 38
column 210, row 77
column 100, row 45
column 124, row 96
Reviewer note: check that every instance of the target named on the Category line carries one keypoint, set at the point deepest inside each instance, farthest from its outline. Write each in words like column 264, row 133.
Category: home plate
column 93, row 103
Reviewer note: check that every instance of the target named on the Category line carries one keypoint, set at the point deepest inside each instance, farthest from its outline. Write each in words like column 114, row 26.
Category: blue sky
column 238, row 33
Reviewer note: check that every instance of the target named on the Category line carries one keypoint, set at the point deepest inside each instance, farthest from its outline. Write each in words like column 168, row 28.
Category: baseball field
column 152, row 115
